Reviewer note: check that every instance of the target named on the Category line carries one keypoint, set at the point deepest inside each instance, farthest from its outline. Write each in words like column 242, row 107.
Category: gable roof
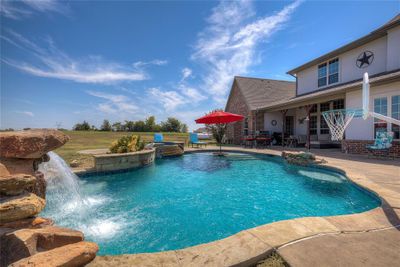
column 259, row 93
column 378, row 33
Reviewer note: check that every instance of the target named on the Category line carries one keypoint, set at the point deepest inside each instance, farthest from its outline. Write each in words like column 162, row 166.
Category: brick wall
column 359, row 147
column 236, row 104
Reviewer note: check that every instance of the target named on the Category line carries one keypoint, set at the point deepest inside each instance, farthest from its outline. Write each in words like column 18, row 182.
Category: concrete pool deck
column 371, row 238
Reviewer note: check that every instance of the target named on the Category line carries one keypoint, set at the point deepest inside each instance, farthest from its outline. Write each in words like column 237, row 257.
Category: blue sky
column 65, row 62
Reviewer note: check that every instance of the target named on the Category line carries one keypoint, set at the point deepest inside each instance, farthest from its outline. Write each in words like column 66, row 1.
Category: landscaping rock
column 20, row 207
column 78, row 254
column 301, row 159
column 74, row 163
column 27, row 242
column 12, row 185
column 30, row 144
column 30, row 223
column 39, row 188
column 9, row 166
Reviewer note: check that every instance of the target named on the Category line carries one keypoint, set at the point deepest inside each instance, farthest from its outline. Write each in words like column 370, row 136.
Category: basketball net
column 337, row 121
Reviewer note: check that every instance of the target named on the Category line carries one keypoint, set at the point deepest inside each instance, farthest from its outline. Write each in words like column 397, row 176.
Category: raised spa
column 198, row 198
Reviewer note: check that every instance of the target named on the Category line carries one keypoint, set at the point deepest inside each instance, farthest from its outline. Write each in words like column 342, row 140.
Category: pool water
column 198, row 198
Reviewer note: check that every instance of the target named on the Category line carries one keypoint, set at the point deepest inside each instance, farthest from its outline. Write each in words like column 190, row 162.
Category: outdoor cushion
column 194, row 139
column 158, row 138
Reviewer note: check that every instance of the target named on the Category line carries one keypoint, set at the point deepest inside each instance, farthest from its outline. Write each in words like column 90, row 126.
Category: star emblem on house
column 365, row 59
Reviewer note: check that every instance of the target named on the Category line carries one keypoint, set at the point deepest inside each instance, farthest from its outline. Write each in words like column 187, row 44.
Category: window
column 328, row 72
column 313, row 125
column 289, row 125
column 324, row 128
column 338, row 104
column 396, row 115
column 322, row 72
column 380, row 106
column 333, row 71
column 246, row 127
column 324, row 106
column 313, row 108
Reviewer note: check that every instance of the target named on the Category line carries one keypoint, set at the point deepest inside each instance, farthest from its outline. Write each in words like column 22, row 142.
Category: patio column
column 283, row 125
column 308, row 109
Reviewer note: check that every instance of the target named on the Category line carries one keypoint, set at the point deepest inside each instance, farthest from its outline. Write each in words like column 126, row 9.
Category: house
column 334, row 81
column 248, row 96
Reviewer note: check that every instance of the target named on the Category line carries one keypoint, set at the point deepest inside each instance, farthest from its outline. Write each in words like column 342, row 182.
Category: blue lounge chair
column 158, row 138
column 382, row 144
column 194, row 140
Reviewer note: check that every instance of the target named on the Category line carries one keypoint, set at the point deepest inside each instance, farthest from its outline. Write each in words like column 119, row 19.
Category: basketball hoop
column 338, row 120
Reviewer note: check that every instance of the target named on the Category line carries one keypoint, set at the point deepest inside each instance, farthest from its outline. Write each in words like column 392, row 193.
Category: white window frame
column 327, row 73
column 388, row 97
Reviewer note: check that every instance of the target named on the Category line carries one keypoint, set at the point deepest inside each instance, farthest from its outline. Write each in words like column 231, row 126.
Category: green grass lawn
column 81, row 140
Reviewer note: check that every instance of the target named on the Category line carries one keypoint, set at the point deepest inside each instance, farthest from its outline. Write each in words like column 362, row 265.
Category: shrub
column 128, row 143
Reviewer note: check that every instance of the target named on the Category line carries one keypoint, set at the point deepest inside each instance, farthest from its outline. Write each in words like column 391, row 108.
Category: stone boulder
column 27, row 242
column 12, row 185
column 30, row 144
column 9, row 166
column 301, row 159
column 20, row 207
column 39, row 188
column 78, row 254
column 30, row 223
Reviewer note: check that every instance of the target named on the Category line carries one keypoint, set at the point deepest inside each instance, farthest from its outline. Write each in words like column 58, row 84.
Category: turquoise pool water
column 198, row 198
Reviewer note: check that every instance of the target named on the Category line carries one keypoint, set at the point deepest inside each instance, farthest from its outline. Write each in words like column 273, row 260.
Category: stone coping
column 116, row 155
column 252, row 245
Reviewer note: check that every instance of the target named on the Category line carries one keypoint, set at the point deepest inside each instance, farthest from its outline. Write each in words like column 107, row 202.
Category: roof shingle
column 259, row 93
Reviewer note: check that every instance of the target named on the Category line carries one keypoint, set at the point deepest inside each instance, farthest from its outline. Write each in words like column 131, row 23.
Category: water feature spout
column 63, row 184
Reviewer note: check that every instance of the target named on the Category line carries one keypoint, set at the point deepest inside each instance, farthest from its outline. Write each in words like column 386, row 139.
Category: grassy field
column 81, row 140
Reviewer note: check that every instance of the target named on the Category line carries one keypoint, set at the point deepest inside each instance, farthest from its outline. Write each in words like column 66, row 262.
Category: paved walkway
column 371, row 238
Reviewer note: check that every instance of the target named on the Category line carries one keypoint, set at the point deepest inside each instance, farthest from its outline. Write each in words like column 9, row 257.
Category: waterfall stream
column 72, row 203
column 63, row 186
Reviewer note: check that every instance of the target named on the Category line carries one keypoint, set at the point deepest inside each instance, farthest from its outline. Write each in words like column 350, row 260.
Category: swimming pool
column 198, row 198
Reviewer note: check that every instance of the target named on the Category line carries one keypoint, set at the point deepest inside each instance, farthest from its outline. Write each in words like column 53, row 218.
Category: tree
column 150, row 124
column 84, row 126
column 171, row 125
column 118, row 127
column 184, row 128
column 139, row 126
column 129, row 126
column 106, row 126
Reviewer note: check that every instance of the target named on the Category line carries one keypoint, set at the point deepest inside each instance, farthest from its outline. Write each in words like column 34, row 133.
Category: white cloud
column 115, row 103
column 186, row 73
column 27, row 113
column 157, row 62
column 169, row 99
column 25, row 8
column 54, row 63
column 227, row 46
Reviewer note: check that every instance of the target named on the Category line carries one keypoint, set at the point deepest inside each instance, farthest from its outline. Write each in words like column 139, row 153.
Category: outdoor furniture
column 301, row 140
column 158, row 138
column 194, row 140
column 263, row 141
column 291, row 141
column 248, row 141
column 382, row 144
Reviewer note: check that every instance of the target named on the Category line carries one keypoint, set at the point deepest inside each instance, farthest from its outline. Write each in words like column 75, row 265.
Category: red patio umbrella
column 219, row 117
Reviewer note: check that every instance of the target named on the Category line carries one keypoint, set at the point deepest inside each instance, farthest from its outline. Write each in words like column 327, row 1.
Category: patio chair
column 194, row 140
column 382, row 144
column 158, row 138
